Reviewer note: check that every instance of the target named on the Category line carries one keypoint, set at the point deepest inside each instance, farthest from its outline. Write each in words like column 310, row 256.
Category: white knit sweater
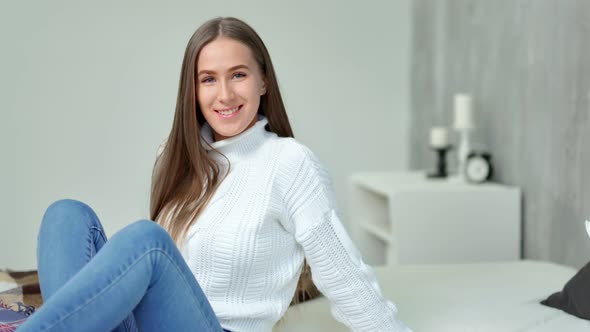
column 275, row 208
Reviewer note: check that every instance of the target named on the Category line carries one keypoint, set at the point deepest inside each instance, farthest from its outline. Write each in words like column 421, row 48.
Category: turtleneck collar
column 238, row 147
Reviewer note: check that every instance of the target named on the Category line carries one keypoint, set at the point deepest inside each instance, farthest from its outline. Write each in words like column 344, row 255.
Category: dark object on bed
column 575, row 296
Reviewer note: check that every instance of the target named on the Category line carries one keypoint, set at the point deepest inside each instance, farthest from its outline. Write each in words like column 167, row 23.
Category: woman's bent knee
column 66, row 211
column 144, row 230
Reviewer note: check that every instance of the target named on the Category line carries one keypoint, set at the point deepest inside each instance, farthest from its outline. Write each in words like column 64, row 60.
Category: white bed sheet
column 476, row 297
column 6, row 285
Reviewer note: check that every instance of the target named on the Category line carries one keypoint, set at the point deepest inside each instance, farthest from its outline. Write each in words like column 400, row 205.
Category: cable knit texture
column 275, row 208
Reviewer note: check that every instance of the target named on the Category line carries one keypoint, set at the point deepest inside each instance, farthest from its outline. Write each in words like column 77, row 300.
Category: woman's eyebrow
column 211, row 72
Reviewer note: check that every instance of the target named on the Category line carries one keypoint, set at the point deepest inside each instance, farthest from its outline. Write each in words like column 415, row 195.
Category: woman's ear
column 263, row 87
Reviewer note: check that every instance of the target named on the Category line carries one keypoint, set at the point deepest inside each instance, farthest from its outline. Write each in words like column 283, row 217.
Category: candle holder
column 441, row 162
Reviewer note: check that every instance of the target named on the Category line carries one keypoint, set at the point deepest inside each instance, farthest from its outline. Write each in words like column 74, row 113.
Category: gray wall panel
column 527, row 65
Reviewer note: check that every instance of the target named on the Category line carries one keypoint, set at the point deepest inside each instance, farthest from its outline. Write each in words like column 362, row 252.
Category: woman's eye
column 239, row 75
column 207, row 80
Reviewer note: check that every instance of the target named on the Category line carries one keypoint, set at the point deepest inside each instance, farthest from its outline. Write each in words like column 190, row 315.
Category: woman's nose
column 226, row 92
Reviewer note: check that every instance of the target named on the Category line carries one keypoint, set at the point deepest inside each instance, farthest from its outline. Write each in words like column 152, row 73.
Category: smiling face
column 229, row 86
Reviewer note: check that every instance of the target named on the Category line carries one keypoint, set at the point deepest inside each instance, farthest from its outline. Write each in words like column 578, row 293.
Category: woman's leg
column 70, row 236
column 138, row 269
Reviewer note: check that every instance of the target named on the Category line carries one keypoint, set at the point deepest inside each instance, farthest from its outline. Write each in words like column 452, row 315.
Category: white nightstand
column 399, row 218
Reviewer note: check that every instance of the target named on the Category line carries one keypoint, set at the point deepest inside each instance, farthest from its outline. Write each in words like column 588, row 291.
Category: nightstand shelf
column 399, row 218
column 378, row 232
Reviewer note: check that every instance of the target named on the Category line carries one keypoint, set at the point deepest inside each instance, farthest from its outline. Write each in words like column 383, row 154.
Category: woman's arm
column 336, row 264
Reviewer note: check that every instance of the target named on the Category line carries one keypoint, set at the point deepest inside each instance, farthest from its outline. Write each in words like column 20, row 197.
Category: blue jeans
column 138, row 280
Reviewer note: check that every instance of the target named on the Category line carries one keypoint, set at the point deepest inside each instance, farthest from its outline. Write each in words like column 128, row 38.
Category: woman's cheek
column 206, row 96
column 248, row 91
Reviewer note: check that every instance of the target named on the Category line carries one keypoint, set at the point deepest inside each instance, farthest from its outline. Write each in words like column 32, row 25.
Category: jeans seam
column 90, row 245
column 94, row 231
column 118, row 278
column 127, row 324
column 100, row 232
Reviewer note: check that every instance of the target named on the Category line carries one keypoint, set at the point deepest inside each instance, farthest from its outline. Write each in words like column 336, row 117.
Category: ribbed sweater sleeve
column 338, row 270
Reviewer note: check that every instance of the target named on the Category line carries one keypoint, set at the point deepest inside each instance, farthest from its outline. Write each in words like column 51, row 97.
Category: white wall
column 87, row 92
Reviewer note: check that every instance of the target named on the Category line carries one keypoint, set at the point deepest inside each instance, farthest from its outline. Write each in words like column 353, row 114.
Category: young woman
column 240, row 208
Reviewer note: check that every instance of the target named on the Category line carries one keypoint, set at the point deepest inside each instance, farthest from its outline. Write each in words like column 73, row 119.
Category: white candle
column 439, row 137
column 463, row 112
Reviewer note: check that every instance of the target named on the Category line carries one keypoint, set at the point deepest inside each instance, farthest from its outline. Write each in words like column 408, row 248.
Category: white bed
column 459, row 297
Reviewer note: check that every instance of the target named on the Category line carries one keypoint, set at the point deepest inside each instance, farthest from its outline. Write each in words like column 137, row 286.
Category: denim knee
column 65, row 211
column 148, row 231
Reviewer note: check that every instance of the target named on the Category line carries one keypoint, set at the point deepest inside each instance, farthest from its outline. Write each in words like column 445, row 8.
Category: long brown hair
column 185, row 177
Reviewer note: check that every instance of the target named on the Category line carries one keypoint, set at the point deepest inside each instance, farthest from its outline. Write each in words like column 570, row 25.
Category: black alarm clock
column 478, row 167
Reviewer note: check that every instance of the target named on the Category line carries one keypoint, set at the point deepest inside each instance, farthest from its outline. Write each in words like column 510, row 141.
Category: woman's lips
column 230, row 115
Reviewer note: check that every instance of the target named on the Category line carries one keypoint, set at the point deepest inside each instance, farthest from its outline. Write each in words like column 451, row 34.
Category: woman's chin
column 225, row 134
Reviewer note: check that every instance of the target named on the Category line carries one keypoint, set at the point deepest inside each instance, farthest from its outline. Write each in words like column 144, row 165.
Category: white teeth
column 228, row 112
